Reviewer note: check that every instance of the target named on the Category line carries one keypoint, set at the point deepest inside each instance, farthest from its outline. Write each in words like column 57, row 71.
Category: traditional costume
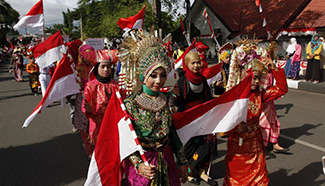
column 86, row 61
column 314, row 48
column 195, row 90
column 219, row 87
column 97, row 93
column 152, row 118
column 33, row 71
column 245, row 159
column 16, row 65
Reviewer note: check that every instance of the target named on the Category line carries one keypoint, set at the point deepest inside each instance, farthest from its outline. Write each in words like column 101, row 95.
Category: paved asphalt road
column 48, row 153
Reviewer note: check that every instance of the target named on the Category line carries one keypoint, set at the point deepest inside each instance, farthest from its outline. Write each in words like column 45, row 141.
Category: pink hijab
column 297, row 55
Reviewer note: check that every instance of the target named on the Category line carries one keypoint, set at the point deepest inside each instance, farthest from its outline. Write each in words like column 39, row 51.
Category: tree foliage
column 8, row 17
column 99, row 18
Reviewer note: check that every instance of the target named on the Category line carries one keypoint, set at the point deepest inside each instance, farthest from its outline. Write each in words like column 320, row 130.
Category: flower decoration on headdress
column 140, row 54
column 247, row 55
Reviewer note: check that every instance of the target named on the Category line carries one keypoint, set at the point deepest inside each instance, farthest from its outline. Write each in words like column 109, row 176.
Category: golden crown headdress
column 140, row 54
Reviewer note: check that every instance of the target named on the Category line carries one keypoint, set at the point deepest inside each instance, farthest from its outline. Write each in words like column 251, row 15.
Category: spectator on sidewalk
column 289, row 54
column 313, row 51
column 295, row 63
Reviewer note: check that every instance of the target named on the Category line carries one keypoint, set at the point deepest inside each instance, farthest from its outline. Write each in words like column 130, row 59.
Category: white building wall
column 201, row 23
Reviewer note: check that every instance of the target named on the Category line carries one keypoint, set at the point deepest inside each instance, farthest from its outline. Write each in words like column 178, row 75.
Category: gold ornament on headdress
column 272, row 50
column 140, row 54
column 247, row 55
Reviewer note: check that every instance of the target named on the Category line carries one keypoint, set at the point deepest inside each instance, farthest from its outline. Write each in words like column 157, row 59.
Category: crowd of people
column 146, row 64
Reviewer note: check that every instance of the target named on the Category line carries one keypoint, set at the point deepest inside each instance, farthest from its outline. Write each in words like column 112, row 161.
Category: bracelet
column 174, row 95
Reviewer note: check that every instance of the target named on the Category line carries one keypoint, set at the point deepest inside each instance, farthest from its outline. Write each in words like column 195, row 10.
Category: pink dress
column 98, row 95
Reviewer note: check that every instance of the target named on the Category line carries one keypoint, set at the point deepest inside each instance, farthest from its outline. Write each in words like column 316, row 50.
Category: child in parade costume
column 194, row 90
column 269, row 123
column 147, row 64
column 98, row 92
column 16, row 64
column 33, row 71
column 224, row 52
column 245, row 159
column 314, row 48
column 86, row 61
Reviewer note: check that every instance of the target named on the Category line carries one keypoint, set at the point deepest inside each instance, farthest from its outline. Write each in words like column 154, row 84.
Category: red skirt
column 246, row 164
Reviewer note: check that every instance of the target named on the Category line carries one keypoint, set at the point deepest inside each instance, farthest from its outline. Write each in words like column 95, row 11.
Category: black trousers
column 313, row 70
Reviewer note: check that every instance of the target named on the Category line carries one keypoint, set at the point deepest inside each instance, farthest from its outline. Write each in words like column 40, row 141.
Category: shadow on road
column 284, row 106
column 282, row 177
column 296, row 132
column 58, row 161
column 15, row 96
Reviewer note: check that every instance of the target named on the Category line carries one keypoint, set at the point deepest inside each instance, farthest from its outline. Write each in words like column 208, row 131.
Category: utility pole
column 80, row 27
column 188, row 15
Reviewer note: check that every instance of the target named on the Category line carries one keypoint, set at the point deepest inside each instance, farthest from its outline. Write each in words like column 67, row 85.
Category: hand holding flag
column 62, row 84
column 116, row 141
column 220, row 114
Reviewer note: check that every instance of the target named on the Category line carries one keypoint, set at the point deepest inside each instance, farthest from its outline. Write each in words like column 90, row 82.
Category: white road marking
column 303, row 143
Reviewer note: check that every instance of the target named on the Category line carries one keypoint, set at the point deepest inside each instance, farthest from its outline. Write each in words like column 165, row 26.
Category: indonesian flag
column 33, row 18
column 115, row 142
column 220, row 114
column 49, row 51
column 62, row 84
column 212, row 73
column 133, row 22
column 179, row 61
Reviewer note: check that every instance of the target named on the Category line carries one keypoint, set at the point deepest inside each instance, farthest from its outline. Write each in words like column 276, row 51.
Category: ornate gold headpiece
column 140, row 54
column 247, row 55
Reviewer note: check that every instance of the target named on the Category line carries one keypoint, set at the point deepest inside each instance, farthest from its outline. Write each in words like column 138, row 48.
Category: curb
column 307, row 86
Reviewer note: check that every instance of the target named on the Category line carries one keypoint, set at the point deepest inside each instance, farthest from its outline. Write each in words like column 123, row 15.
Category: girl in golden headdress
column 245, row 159
column 145, row 66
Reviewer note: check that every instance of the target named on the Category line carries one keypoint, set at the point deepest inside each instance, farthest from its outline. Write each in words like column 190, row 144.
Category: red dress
column 98, row 95
column 245, row 157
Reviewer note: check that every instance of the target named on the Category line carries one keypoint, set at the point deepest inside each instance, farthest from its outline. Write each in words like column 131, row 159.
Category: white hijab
column 292, row 46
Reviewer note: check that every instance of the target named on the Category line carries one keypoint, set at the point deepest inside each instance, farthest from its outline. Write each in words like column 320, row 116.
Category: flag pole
column 134, row 135
column 78, row 79
column 43, row 22
column 213, row 36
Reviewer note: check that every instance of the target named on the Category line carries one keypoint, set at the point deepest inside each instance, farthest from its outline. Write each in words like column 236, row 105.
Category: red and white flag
column 220, row 114
column 132, row 22
column 62, row 84
column 115, row 142
column 212, row 73
column 49, row 51
column 179, row 61
column 33, row 18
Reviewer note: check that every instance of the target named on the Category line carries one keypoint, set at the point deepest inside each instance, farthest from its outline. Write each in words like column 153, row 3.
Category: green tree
column 8, row 17
column 99, row 18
